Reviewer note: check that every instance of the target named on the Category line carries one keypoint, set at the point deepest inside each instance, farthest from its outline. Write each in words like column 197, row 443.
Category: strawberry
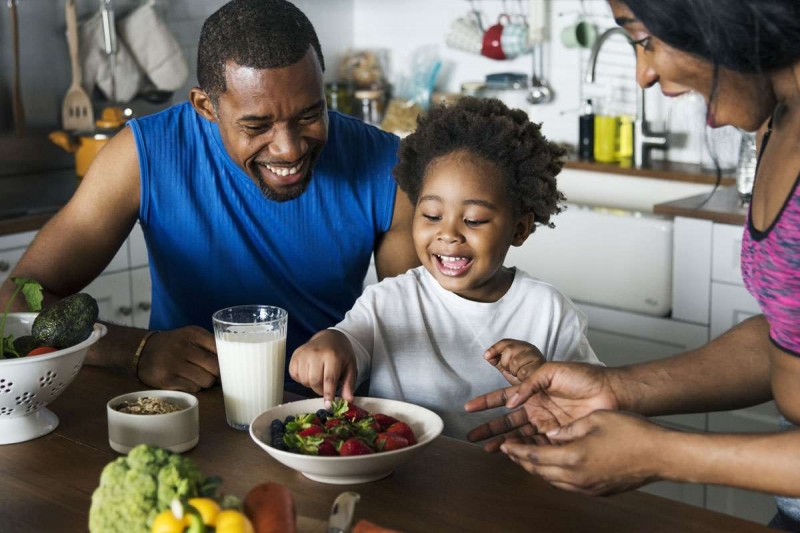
column 312, row 430
column 333, row 422
column 384, row 421
column 355, row 413
column 403, row 429
column 327, row 447
column 386, row 442
column 355, row 446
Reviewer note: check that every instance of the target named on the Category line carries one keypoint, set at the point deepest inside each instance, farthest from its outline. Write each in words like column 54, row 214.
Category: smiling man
column 250, row 192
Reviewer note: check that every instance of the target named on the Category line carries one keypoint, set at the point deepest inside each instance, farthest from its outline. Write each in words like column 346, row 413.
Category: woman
column 744, row 57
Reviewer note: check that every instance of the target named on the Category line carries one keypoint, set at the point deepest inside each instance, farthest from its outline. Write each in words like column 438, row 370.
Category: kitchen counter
column 28, row 201
column 664, row 170
column 723, row 207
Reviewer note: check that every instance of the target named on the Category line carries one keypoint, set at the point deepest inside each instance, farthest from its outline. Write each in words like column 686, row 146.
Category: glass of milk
column 251, row 346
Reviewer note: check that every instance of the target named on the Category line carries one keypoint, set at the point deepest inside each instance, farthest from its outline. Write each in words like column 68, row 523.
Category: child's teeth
column 446, row 258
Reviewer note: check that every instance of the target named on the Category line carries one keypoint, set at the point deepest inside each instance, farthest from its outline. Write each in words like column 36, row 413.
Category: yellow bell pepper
column 165, row 522
column 231, row 521
column 208, row 509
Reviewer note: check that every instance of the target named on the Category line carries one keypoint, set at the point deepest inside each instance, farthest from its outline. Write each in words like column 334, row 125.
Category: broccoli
column 134, row 489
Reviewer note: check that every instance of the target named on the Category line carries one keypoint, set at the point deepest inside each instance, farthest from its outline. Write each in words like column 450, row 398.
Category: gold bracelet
column 139, row 351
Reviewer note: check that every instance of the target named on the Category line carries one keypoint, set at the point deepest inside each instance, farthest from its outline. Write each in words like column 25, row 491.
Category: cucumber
column 67, row 322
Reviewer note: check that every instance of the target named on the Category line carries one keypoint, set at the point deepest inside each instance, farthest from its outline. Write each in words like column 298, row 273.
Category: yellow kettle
column 86, row 144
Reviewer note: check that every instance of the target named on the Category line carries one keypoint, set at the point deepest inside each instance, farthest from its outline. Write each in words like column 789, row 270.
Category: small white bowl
column 178, row 431
column 426, row 425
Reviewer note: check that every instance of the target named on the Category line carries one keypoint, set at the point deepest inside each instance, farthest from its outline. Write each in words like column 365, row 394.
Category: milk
column 251, row 365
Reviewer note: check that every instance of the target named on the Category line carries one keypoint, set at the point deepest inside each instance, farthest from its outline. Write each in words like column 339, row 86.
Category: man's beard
column 297, row 190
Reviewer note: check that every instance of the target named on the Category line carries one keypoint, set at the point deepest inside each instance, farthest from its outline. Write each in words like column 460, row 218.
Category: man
column 251, row 192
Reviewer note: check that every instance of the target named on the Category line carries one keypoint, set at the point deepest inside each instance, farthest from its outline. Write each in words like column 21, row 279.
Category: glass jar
column 370, row 105
column 339, row 96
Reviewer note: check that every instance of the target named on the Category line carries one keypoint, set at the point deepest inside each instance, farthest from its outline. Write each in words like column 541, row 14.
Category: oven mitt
column 154, row 48
column 97, row 68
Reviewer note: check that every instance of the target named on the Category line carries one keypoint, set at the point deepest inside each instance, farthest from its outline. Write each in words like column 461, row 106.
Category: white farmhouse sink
column 608, row 248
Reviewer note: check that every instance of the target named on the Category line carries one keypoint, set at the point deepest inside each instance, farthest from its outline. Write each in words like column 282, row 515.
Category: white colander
column 28, row 384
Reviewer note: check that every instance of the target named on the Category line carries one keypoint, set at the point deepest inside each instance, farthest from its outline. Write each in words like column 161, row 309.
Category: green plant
column 32, row 291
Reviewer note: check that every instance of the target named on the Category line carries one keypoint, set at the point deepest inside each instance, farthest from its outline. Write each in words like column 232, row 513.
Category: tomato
column 41, row 350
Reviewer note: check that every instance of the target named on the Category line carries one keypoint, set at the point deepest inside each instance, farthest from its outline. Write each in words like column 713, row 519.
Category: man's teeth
column 283, row 171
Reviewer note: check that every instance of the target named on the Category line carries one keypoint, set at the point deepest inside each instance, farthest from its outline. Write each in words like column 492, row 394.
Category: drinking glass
column 251, row 347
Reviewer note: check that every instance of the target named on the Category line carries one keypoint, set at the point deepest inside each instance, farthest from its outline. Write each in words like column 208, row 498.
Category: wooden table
column 46, row 484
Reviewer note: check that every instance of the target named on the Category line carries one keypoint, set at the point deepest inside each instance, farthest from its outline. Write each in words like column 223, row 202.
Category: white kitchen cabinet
column 141, row 294
column 122, row 291
column 743, row 503
column 113, row 295
column 730, row 304
column 11, row 249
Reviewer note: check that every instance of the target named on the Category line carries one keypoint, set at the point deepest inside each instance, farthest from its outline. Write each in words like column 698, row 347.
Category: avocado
column 25, row 344
column 67, row 322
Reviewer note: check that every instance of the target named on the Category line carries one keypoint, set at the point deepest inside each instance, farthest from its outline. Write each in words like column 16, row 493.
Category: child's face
column 464, row 225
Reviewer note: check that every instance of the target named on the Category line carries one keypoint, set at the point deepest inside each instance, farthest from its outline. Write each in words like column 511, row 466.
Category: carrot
column 365, row 526
column 270, row 506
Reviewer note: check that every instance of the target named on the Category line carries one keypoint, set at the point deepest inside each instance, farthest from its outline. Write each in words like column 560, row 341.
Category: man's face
column 273, row 123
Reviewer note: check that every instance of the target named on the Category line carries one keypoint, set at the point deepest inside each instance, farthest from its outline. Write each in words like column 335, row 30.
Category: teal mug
column 582, row 34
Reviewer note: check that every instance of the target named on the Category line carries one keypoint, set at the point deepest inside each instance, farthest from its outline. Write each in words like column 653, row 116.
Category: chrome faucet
column 644, row 139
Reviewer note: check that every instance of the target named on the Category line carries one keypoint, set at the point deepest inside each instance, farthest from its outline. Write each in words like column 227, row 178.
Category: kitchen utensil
column 509, row 87
column 86, row 144
column 28, row 384
column 342, row 512
column 16, row 94
column 76, row 111
column 541, row 92
column 426, row 424
column 110, row 43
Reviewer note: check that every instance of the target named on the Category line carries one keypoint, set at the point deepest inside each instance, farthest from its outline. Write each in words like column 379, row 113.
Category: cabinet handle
column 143, row 306
column 5, row 266
column 125, row 310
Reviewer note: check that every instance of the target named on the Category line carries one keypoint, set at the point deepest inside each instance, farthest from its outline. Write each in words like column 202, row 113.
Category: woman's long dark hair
column 748, row 36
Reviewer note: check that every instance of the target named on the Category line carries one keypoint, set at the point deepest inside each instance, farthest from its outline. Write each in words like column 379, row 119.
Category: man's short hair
column 260, row 34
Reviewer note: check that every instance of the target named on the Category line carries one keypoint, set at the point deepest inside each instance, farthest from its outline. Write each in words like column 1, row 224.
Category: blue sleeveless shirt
column 215, row 241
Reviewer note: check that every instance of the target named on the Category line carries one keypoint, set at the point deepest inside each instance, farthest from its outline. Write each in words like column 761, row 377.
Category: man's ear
column 202, row 104
column 523, row 228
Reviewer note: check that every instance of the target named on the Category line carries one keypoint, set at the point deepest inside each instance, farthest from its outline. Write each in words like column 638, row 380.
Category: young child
column 481, row 177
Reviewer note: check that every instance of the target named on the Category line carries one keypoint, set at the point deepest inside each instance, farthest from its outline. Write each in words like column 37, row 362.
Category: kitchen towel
column 97, row 67
column 154, row 48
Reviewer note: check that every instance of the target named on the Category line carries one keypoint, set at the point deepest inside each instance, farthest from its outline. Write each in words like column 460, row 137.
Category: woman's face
column 742, row 100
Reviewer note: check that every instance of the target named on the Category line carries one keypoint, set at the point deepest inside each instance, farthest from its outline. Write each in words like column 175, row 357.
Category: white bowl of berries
column 352, row 443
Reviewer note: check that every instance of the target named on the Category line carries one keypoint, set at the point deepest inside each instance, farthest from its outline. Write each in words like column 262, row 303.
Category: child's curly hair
column 486, row 128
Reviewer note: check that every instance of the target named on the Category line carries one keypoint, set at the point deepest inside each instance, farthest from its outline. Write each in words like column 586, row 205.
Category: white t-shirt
column 420, row 343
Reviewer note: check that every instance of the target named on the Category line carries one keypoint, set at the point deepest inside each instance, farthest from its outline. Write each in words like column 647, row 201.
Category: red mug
column 492, row 39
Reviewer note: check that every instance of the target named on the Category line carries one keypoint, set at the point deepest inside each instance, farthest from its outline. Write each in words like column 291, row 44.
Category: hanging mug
column 582, row 34
column 515, row 38
column 493, row 39
column 466, row 33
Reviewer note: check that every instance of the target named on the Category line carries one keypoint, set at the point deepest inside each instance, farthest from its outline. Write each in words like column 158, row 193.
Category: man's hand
column 553, row 395
column 515, row 359
column 603, row 453
column 323, row 363
column 181, row 359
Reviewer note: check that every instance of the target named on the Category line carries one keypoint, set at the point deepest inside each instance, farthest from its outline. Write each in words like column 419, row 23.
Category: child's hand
column 516, row 360
column 323, row 363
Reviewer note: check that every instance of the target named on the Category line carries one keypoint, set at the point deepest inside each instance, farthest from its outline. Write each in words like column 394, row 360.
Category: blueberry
column 277, row 425
column 323, row 414
column 279, row 444
column 289, row 418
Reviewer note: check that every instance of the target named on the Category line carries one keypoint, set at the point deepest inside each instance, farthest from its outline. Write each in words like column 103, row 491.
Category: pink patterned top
column 771, row 270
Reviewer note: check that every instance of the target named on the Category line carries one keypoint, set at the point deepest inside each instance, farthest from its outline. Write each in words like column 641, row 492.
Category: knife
column 342, row 512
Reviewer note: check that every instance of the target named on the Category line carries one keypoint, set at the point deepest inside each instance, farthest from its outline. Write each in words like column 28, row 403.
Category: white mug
column 466, row 33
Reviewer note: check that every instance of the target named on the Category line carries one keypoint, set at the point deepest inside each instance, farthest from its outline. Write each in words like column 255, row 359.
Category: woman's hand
column 515, row 359
column 605, row 452
column 325, row 362
column 555, row 394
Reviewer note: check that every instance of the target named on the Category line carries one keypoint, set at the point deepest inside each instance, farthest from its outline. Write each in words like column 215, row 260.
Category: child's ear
column 523, row 228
